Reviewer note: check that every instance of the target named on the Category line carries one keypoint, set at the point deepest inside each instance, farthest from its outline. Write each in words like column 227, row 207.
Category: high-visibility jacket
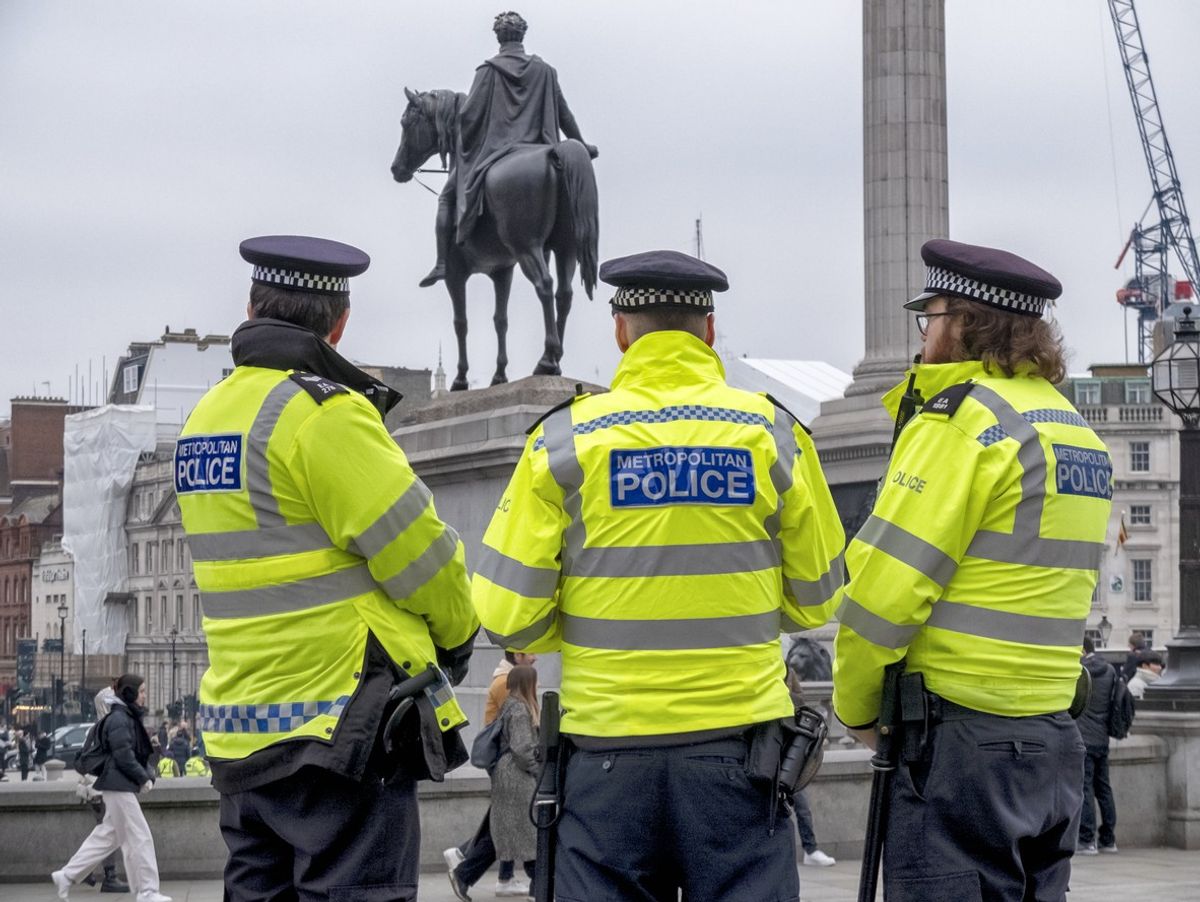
column 980, row 557
column 196, row 766
column 661, row 535
column 168, row 767
column 308, row 529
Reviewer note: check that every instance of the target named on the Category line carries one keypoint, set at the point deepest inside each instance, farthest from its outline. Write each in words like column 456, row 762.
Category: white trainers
column 152, row 895
column 513, row 887
column 819, row 859
column 62, row 884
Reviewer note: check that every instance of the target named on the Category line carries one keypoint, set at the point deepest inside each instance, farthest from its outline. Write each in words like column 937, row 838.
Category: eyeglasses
column 924, row 318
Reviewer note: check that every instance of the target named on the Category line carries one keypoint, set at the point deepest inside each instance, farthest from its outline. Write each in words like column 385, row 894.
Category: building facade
column 1138, row 588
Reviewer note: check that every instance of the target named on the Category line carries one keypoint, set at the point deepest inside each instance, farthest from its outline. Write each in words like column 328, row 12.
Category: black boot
column 441, row 232
column 113, row 884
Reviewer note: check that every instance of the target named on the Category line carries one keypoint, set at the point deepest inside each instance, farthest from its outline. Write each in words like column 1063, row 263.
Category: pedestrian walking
column 1149, row 669
column 1093, row 728
column 348, row 587
column 24, row 752
column 180, row 749
column 42, row 746
column 514, row 781
column 660, row 535
column 125, row 774
column 977, row 566
column 1137, row 647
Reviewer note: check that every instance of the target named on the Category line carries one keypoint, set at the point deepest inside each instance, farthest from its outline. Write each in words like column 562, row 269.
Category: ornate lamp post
column 62, row 668
column 1105, row 629
column 1176, row 381
column 83, row 712
column 174, row 636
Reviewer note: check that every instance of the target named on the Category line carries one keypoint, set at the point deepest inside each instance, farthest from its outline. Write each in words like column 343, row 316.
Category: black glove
column 455, row 661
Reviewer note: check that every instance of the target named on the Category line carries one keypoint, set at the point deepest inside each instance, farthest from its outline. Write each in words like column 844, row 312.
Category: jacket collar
column 278, row 345
column 933, row 378
column 668, row 359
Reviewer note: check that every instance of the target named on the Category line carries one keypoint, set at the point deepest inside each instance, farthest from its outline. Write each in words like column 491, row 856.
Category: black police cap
column 986, row 275
column 662, row 279
column 301, row 263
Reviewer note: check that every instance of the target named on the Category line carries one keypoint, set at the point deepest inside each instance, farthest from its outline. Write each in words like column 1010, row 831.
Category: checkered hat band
column 634, row 298
column 305, row 281
column 943, row 280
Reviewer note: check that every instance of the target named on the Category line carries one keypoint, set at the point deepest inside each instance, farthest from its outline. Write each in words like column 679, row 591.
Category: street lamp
column 1105, row 629
column 1175, row 377
column 83, row 682
column 62, row 667
column 174, row 636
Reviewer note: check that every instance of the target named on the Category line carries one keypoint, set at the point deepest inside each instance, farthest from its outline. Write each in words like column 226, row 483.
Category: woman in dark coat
column 23, row 753
column 125, row 774
column 181, row 749
column 514, row 779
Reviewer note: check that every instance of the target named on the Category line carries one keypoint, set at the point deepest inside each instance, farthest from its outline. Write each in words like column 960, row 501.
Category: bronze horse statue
column 538, row 200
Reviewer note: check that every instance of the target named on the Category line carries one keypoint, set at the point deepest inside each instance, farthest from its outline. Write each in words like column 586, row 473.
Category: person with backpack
column 514, row 780
column 123, row 773
column 1094, row 729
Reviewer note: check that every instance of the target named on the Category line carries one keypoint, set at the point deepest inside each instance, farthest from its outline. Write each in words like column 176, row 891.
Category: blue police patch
column 1083, row 471
column 208, row 463
column 653, row 477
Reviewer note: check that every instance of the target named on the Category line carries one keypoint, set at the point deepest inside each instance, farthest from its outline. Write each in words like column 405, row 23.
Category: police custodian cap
column 662, row 279
column 984, row 274
column 300, row 263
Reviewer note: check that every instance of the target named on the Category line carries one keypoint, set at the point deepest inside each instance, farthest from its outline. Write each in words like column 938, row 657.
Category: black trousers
column 480, row 853
column 991, row 814
column 317, row 835
column 639, row 825
column 1097, row 791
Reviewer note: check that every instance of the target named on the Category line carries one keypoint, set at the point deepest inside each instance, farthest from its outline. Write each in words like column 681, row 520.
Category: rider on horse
column 515, row 100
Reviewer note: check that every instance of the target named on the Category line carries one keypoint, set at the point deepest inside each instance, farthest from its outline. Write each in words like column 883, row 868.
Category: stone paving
column 1164, row 875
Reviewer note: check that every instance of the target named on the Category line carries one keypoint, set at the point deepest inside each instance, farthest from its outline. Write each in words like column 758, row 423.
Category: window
column 149, row 557
column 1137, row 391
column 168, row 555
column 196, row 620
column 1148, row 635
column 1094, row 635
column 1139, row 515
column 1143, row 582
column 1087, row 393
column 162, row 624
column 149, row 613
column 130, row 376
column 1139, row 457
column 133, row 558
column 180, row 562
column 179, row 612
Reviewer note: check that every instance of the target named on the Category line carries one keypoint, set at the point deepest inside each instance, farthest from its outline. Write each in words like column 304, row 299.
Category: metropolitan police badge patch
column 208, row 463
column 1083, row 471
column 654, row 477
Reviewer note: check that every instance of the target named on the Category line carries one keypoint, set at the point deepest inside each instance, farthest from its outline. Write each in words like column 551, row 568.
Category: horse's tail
column 579, row 182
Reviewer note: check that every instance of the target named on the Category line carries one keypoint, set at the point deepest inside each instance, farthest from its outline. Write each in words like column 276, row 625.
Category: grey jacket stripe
column 1036, row 552
column 392, row 522
column 567, row 472
column 874, row 628
column 523, row 638
column 1007, row 626
column 653, row 635
column 511, row 574
column 820, row 590
column 1028, row 518
column 910, row 549
column 674, row 560
column 258, row 475
column 290, row 597
column 781, row 470
column 425, row 567
column 255, row 543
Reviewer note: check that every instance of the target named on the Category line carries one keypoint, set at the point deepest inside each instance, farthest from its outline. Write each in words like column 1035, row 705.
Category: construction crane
column 1153, row 290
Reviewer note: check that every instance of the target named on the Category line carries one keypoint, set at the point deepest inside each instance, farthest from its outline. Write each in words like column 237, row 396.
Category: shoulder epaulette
column 320, row 388
column 555, row 409
column 799, row 422
column 947, row 401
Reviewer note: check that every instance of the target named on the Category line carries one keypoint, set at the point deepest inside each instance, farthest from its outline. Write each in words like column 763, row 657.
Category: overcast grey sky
column 141, row 141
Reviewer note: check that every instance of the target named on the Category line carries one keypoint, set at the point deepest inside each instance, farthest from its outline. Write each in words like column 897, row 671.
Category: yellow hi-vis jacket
column 307, row 529
column 980, row 557
column 661, row 535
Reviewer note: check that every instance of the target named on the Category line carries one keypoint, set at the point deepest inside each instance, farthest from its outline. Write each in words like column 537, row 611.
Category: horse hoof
column 547, row 369
column 499, row 379
column 459, row 384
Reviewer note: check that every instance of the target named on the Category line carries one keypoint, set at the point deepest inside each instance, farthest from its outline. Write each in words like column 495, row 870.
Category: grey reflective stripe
column 255, row 543
column 1007, row 626
column 674, row 560
column 1061, row 553
column 655, row 635
column 392, row 522
column 439, row 553
column 818, row 591
column 524, row 637
column 1025, row 545
column 287, row 598
column 781, row 470
column 874, row 628
column 258, row 475
column 564, row 467
column 511, row 574
column 901, row 544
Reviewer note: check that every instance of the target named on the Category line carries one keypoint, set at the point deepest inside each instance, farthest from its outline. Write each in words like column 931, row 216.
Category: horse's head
column 427, row 127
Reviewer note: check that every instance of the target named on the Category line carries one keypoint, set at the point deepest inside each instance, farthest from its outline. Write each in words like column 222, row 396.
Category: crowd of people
column 26, row 749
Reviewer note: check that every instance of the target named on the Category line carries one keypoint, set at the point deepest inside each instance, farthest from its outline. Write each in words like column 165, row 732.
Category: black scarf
column 279, row 345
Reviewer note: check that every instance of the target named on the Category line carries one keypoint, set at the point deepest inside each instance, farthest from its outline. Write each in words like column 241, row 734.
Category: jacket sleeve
column 810, row 532
column 364, row 494
column 118, row 736
column 515, row 586
column 929, row 507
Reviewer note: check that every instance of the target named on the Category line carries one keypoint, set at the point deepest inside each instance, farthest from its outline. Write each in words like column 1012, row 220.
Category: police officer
column 978, row 563
column 659, row 536
column 326, row 579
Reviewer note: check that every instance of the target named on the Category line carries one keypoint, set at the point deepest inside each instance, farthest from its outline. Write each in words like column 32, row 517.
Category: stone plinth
column 1180, row 730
